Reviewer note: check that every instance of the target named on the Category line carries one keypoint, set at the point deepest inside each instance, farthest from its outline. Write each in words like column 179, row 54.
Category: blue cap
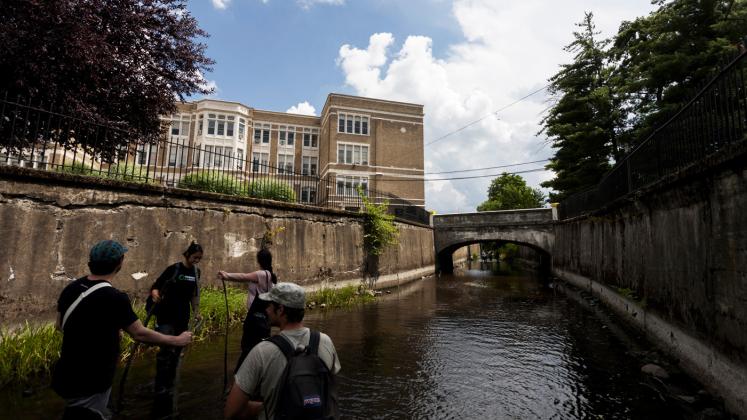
column 107, row 251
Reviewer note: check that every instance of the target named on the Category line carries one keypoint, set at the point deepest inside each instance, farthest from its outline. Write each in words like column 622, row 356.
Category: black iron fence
column 716, row 118
column 35, row 137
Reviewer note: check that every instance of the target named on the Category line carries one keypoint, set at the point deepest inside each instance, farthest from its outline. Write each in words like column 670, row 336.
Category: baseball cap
column 286, row 294
column 107, row 251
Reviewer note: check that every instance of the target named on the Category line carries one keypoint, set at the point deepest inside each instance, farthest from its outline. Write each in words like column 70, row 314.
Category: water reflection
column 471, row 345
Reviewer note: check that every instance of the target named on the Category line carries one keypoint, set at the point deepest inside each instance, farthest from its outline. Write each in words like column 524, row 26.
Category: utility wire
column 489, row 167
column 489, row 115
column 467, row 177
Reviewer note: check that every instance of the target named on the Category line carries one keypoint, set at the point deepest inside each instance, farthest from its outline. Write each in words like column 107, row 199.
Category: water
column 474, row 345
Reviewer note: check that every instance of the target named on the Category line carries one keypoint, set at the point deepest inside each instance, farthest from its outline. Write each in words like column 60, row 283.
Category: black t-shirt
column 90, row 340
column 177, row 286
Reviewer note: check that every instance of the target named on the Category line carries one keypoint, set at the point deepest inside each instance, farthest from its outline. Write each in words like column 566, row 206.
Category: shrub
column 132, row 173
column 75, row 168
column 271, row 190
column 213, row 181
column 379, row 230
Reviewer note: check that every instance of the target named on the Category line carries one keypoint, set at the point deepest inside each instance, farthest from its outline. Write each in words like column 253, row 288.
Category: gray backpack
column 307, row 386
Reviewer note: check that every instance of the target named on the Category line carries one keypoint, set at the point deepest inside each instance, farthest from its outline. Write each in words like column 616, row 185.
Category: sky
column 462, row 59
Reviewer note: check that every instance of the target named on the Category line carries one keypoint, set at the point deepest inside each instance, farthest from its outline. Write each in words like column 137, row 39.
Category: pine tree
column 662, row 59
column 581, row 123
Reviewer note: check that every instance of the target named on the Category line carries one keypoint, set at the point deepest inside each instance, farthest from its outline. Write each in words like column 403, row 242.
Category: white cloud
column 303, row 108
column 509, row 50
column 307, row 4
column 221, row 4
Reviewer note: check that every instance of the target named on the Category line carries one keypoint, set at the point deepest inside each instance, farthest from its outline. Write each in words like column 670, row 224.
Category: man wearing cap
column 258, row 378
column 91, row 313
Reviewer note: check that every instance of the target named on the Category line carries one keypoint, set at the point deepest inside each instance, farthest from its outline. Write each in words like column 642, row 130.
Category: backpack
column 307, row 385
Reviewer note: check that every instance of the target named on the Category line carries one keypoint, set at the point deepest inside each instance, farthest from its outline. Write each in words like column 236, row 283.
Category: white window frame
column 350, row 149
column 262, row 160
column 311, row 138
column 346, row 185
column 219, row 125
column 308, row 163
column 285, row 166
column 262, row 128
column 349, row 126
column 308, row 194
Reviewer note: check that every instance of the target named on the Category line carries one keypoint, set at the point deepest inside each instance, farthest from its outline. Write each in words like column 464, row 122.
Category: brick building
column 371, row 143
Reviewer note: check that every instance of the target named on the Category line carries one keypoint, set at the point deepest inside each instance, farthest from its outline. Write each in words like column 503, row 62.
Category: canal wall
column 673, row 261
column 48, row 221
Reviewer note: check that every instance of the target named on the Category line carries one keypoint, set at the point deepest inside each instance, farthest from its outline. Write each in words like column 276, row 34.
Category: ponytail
column 264, row 258
column 193, row 248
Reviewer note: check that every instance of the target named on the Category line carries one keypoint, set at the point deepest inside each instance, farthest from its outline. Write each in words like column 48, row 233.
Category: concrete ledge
column 384, row 282
column 717, row 372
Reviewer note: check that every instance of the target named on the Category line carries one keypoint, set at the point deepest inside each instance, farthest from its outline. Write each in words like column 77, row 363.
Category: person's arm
column 155, row 290
column 138, row 332
column 239, row 406
column 239, row 277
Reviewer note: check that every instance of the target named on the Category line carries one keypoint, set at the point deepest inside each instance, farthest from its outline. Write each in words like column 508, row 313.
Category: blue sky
column 461, row 59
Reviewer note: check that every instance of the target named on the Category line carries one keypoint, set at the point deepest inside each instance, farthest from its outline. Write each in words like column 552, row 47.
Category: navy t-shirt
column 90, row 339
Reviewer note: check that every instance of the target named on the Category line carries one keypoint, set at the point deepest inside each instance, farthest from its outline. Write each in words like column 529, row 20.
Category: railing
column 716, row 118
column 35, row 137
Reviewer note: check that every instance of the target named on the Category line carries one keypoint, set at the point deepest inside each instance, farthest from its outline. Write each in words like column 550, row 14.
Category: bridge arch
column 532, row 228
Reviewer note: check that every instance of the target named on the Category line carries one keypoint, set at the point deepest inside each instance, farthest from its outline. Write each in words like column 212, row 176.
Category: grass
column 342, row 297
column 30, row 351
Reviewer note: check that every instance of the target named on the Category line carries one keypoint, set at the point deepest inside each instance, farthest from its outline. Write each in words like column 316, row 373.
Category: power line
column 491, row 114
column 467, row 177
column 489, row 167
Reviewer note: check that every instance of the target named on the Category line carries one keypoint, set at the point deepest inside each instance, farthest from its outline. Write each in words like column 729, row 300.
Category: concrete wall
column 48, row 222
column 681, row 251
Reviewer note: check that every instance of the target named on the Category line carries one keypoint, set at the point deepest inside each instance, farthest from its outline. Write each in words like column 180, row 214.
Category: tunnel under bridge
column 532, row 228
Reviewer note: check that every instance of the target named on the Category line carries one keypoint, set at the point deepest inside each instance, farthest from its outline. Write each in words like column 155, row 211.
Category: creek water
column 472, row 345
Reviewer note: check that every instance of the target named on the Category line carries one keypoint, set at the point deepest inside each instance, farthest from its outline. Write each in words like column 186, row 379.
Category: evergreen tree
column 509, row 192
column 581, row 123
column 663, row 59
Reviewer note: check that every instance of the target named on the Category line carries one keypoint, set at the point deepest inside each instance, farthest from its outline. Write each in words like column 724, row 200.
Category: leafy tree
column 663, row 58
column 379, row 230
column 120, row 64
column 510, row 191
column 581, row 123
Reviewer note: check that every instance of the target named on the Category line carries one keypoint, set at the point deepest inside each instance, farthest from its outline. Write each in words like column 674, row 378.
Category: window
column 240, row 159
column 285, row 163
column 260, row 162
column 287, row 136
column 178, row 152
column 352, row 154
column 211, row 124
column 196, row 157
column 308, row 194
column 352, row 124
column 308, row 165
column 311, row 137
column 242, row 128
column 144, row 154
column 229, row 126
column 218, row 157
column 199, row 127
column 348, row 185
column 221, row 125
column 262, row 134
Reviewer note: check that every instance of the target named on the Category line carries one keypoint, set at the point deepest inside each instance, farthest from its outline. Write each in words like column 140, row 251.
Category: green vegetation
column 213, row 181
column 340, row 298
column 130, row 173
column 30, row 351
column 615, row 92
column 508, row 192
column 379, row 230
column 269, row 189
column 75, row 168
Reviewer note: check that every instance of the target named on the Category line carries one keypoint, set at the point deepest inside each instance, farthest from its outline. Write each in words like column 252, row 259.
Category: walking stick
column 194, row 327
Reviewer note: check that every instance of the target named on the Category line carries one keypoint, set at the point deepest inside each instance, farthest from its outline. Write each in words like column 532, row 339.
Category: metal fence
column 35, row 137
column 715, row 119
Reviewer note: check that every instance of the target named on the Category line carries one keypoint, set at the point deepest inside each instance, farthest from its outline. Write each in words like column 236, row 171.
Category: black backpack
column 307, row 389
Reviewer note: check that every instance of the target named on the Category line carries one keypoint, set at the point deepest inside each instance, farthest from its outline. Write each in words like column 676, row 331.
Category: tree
column 510, row 191
column 581, row 123
column 119, row 64
column 662, row 59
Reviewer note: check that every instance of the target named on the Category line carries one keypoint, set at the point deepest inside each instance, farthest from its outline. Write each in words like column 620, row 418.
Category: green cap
column 286, row 294
column 107, row 251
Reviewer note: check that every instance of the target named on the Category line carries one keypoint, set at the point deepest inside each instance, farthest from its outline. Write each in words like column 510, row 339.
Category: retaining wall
column 48, row 222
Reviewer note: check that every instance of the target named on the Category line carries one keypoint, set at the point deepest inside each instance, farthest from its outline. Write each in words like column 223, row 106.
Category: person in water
column 175, row 294
column 91, row 314
column 256, row 326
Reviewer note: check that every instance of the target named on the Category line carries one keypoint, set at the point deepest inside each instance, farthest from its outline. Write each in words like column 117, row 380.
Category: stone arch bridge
column 531, row 227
